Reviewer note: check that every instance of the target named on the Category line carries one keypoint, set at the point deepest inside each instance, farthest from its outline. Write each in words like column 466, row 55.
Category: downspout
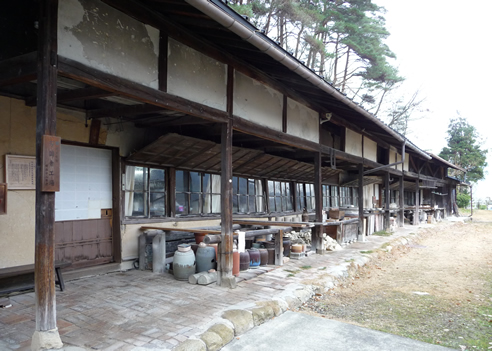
column 216, row 10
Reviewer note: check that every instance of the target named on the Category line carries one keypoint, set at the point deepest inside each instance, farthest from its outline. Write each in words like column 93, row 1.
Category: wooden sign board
column 20, row 172
column 3, row 198
column 50, row 163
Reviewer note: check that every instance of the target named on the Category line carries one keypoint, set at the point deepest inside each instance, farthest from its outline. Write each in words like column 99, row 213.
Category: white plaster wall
column 196, row 77
column 353, row 142
column 99, row 36
column 257, row 103
column 302, row 121
column 398, row 159
column 370, row 149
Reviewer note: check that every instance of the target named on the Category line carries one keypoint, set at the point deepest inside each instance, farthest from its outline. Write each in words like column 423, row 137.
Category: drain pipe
column 221, row 13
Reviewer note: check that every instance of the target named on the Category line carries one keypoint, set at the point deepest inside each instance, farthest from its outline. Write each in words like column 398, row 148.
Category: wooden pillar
column 386, row 201
column 225, row 277
column 401, row 213
column 416, row 216
column 317, row 237
column 361, row 202
column 46, row 333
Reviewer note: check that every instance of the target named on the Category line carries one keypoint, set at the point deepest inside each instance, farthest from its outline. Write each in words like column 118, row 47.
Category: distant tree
column 463, row 200
column 464, row 150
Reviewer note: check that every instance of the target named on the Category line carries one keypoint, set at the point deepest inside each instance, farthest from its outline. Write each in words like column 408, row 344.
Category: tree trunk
column 344, row 82
column 335, row 66
column 299, row 36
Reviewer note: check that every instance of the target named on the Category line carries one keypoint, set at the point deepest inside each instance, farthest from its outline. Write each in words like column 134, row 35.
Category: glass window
column 247, row 195
column 145, row 192
column 197, row 193
column 279, row 196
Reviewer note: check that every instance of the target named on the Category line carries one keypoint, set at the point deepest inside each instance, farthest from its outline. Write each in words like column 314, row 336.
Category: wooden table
column 273, row 223
column 187, row 230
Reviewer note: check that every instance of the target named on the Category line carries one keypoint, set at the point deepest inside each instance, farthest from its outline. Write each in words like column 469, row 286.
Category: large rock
column 213, row 341
column 191, row 345
column 241, row 319
column 274, row 305
column 262, row 314
column 224, row 331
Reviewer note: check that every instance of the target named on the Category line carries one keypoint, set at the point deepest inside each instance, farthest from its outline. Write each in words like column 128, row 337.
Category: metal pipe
column 221, row 13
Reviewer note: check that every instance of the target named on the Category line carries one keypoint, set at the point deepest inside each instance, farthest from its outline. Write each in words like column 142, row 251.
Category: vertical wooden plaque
column 3, row 198
column 50, row 163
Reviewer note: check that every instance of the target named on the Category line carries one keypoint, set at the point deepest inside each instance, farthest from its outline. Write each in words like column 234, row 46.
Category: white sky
column 443, row 48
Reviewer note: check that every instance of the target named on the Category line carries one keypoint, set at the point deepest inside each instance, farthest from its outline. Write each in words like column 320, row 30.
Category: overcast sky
column 443, row 49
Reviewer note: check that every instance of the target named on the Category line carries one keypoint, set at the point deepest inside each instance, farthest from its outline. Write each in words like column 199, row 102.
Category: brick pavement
column 138, row 310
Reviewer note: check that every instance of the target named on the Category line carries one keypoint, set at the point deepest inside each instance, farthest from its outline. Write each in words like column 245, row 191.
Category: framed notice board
column 3, row 198
column 20, row 172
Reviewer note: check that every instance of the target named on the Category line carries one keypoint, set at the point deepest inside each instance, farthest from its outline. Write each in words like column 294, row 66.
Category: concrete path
column 138, row 310
column 301, row 332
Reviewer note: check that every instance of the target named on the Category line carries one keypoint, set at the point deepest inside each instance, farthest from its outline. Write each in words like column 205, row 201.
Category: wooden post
column 386, row 201
column 361, row 236
column 401, row 213
column 46, row 333
column 317, row 236
column 279, row 248
column 225, row 277
column 416, row 216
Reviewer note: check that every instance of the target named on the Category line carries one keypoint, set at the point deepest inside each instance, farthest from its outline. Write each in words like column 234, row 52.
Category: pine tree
column 464, row 150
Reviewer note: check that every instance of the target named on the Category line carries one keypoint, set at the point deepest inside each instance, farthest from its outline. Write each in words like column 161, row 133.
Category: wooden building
column 177, row 112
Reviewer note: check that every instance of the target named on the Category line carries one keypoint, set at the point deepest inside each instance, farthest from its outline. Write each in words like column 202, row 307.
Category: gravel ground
column 436, row 289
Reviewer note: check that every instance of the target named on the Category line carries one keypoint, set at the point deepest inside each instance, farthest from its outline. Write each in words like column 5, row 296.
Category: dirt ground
column 437, row 288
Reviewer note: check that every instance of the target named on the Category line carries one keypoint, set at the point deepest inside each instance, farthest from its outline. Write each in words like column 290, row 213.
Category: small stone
column 241, row 319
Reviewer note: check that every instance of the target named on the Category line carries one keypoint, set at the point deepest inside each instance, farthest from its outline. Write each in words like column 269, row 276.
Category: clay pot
column 254, row 258
column 243, row 261
column 263, row 257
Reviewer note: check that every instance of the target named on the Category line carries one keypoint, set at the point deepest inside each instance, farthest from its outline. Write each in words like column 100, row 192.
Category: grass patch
column 306, row 267
column 292, row 271
column 382, row 233
column 322, row 268
column 291, row 275
column 351, row 260
column 367, row 252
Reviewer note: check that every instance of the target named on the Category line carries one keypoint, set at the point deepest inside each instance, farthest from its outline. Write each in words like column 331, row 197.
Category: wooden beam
column 44, row 279
column 94, row 132
column 416, row 217
column 162, row 63
column 74, row 95
column 77, row 71
column 360, row 188
column 284, row 114
column 225, row 277
column 401, row 212
column 317, row 240
column 125, row 111
column 230, row 90
column 248, row 127
column 386, row 201
column 20, row 69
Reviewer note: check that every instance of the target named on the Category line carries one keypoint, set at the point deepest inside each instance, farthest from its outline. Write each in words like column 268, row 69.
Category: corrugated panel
column 174, row 150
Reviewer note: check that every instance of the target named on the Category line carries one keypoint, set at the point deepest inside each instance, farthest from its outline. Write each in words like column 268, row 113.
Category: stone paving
column 138, row 310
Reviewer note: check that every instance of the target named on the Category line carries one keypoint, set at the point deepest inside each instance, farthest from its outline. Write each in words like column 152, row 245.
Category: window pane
column 271, row 203
column 251, row 186
column 196, row 185
column 271, row 190
column 243, row 186
column 277, row 188
column 207, row 203
column 157, row 204
column 181, row 181
column 140, row 178
column 235, row 204
column 284, row 203
column 181, row 204
column 216, row 185
column 234, row 185
column 260, row 204
column 195, row 204
column 251, row 204
column 278, row 203
column 243, row 204
column 207, row 186
column 157, row 180
column 216, row 202
column 139, row 204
